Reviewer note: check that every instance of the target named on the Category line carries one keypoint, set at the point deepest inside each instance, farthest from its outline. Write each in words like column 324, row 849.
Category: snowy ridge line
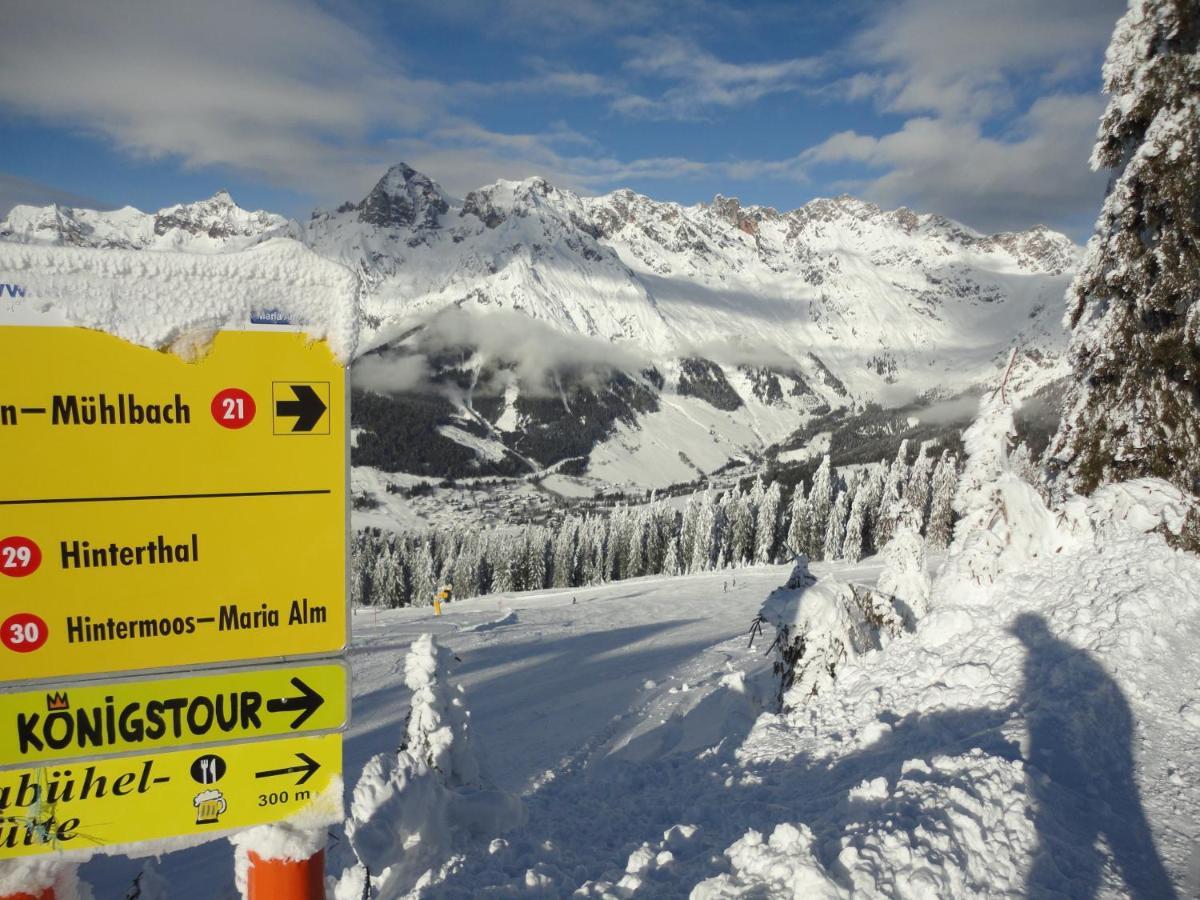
column 175, row 300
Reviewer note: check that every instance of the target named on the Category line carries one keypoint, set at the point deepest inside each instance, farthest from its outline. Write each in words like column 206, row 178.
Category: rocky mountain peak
column 219, row 218
column 402, row 198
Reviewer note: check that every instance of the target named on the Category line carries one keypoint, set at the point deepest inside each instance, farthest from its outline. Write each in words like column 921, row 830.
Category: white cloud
column 964, row 58
column 1038, row 171
column 280, row 89
column 700, row 81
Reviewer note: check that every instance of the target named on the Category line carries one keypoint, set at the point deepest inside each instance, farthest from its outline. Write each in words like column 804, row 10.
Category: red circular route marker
column 23, row 633
column 19, row 556
column 233, row 408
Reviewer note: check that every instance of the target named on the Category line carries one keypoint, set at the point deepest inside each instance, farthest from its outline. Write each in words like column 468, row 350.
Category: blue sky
column 983, row 111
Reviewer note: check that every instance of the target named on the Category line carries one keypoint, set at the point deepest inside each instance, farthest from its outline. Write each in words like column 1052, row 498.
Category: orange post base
column 284, row 879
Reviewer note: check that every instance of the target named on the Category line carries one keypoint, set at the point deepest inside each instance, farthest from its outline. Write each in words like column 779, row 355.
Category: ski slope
column 555, row 688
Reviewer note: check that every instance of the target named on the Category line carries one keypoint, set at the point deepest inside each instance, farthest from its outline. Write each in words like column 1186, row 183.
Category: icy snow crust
column 169, row 299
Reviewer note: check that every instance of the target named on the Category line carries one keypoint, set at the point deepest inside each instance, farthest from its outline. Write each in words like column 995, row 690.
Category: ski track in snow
column 629, row 718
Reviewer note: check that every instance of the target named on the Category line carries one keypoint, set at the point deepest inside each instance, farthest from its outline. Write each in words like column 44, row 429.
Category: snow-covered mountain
column 666, row 341
column 215, row 225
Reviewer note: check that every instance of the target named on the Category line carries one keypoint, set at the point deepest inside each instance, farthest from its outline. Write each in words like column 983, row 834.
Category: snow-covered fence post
column 280, row 862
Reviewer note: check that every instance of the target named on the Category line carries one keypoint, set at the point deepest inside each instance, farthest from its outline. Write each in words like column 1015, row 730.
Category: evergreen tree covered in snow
column 766, row 534
column 670, row 564
column 916, row 492
column 1133, row 408
column 705, row 545
column 875, row 484
column 439, row 724
column 897, row 478
column 939, row 529
column 798, row 527
column 854, row 544
column 904, row 574
column 820, row 504
column 835, row 531
column 741, row 546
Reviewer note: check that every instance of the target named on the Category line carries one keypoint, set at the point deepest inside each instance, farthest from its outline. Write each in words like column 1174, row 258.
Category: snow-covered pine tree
column 835, row 531
column 535, row 559
column 439, row 725
column 897, row 477
column 742, row 529
column 703, row 553
column 875, row 482
column 798, row 527
column 670, row 564
column 855, row 541
column 360, row 577
column 939, row 529
column 1133, row 407
column 635, row 544
column 565, row 542
column 905, row 575
column 767, row 531
column 656, row 544
column 820, row 502
column 916, row 491
column 502, row 568
column 423, row 576
column 725, row 520
column 757, row 493
column 687, row 534
column 385, row 576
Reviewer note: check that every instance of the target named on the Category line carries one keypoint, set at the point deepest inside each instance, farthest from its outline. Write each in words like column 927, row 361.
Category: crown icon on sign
column 57, row 701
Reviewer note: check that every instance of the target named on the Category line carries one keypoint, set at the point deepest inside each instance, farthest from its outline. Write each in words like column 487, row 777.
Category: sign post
column 172, row 587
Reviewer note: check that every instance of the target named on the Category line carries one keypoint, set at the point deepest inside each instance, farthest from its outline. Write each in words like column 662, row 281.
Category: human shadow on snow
column 1082, row 772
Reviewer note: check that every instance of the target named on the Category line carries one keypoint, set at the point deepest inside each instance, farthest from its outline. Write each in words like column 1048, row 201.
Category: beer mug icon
column 209, row 806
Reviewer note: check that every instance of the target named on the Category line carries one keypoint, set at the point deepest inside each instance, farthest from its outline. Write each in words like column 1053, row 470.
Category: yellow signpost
column 184, row 793
column 176, row 513
column 169, row 519
column 60, row 721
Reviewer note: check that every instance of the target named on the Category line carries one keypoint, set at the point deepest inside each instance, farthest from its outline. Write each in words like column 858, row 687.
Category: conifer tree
column 702, row 553
column 897, row 477
column 820, row 502
column 875, row 482
column 1133, row 407
column 916, row 491
column 742, row 529
column 423, row 576
column 856, row 526
column 687, row 535
column 635, row 545
column 940, row 528
column 670, row 564
column 798, row 528
column 563, row 566
column 766, row 533
column 835, row 531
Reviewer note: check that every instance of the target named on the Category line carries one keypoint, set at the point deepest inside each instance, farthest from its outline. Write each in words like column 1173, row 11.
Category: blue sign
column 269, row 317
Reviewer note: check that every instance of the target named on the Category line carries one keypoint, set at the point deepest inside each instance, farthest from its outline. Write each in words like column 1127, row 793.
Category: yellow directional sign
column 69, row 721
column 184, row 793
column 157, row 513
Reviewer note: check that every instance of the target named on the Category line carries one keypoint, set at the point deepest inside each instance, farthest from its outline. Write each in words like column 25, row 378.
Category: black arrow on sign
column 307, row 703
column 309, row 769
column 308, row 407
